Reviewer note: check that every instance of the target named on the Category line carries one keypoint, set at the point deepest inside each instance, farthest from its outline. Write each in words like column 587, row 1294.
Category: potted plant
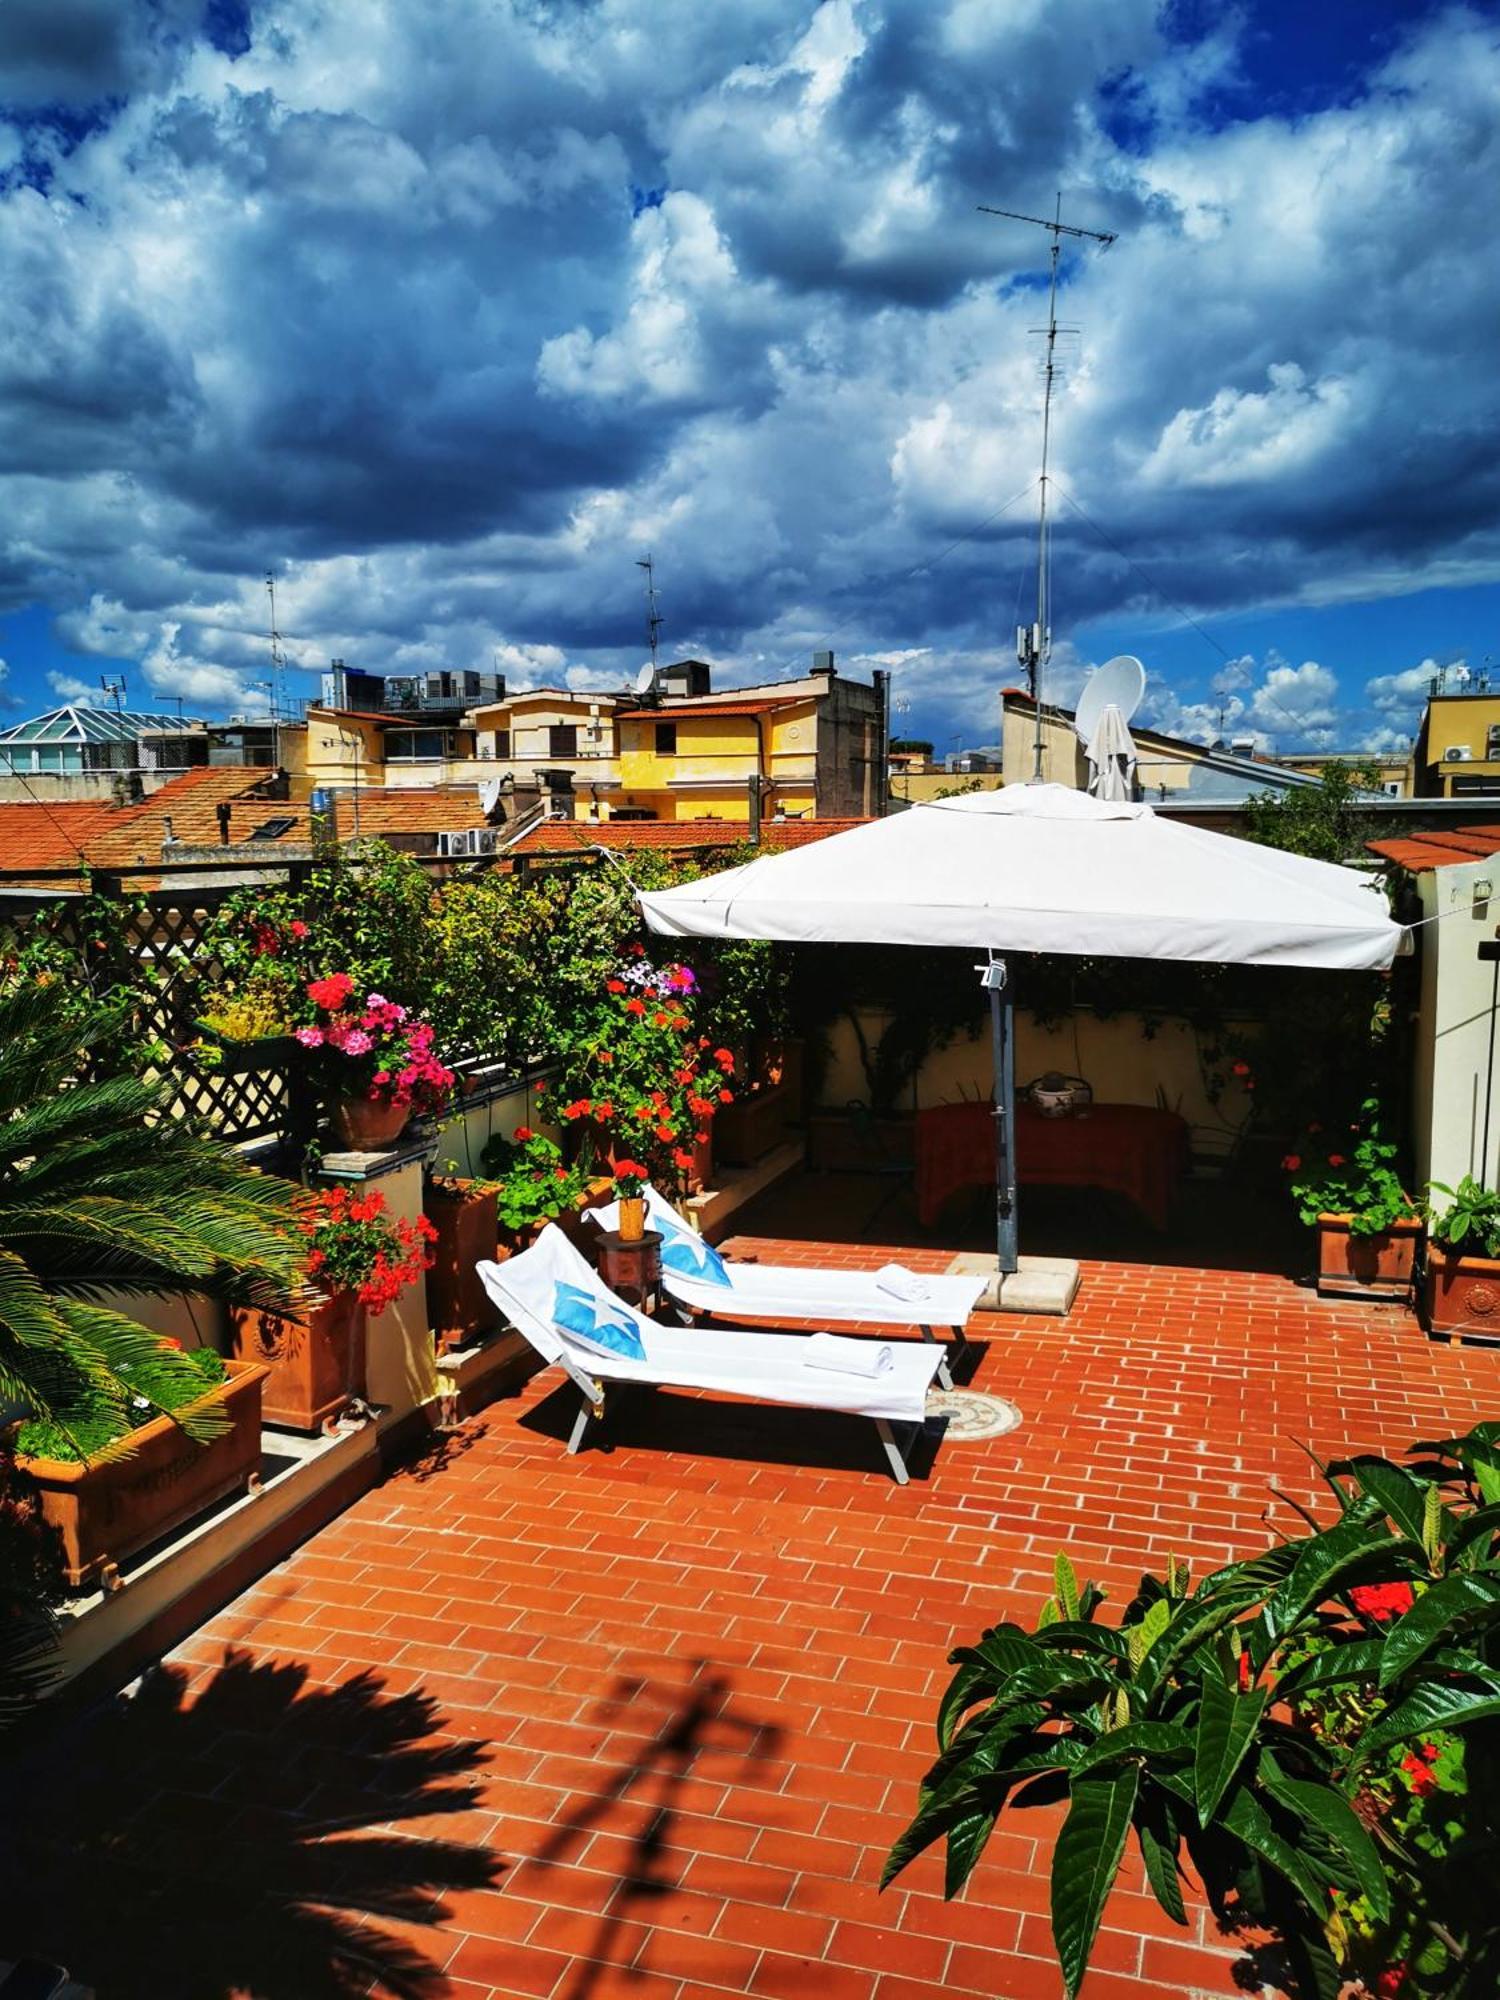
column 357, row 1260
column 374, row 1060
column 113, row 1474
column 1461, row 1289
column 464, row 1214
column 1368, row 1226
column 534, row 1185
column 641, row 1083
column 630, row 1181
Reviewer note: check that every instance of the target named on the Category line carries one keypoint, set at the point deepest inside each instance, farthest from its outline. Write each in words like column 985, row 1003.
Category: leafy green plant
column 160, row 1385
column 1468, row 1221
column 1330, row 821
column 103, row 1193
column 31, row 1588
column 1351, row 1173
column 1195, row 1726
column 533, row 1183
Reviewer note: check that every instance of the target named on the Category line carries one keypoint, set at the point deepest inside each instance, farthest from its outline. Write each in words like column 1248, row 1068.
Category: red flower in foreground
column 1244, row 1673
column 614, row 986
column 635, row 1006
column 299, row 929
column 725, row 1060
column 1240, row 1068
column 684, row 1160
column 1417, row 1764
column 1335, row 1159
column 331, row 992
column 1291, row 1163
column 1390, row 1982
column 522, row 1134
column 1382, row 1601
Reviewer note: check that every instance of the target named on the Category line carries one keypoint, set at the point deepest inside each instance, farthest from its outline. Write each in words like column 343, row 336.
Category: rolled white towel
column 901, row 1283
column 849, row 1357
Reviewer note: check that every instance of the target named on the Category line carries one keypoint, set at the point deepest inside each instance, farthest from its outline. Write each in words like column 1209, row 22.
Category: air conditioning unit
column 1458, row 753
column 455, row 843
column 484, row 840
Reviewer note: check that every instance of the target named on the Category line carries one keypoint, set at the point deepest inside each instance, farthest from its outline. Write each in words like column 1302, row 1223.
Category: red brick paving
column 706, row 1662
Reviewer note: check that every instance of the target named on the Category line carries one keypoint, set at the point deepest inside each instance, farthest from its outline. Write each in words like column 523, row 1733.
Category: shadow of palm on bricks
column 248, row 1842
column 676, row 1729
column 1201, row 1724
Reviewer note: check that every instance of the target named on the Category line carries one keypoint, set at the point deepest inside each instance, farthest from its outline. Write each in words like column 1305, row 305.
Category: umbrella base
column 1039, row 1285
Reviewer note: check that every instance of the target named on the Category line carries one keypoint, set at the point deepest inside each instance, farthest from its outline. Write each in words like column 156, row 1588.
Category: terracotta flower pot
column 314, row 1360
column 368, row 1124
column 106, row 1510
column 1379, row 1266
column 632, row 1218
column 1461, row 1295
column 458, row 1307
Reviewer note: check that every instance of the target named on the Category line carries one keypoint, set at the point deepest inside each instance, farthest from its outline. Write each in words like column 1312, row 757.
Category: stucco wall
column 1122, row 1064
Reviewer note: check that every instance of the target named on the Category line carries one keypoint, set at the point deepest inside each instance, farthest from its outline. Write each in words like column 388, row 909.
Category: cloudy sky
column 447, row 311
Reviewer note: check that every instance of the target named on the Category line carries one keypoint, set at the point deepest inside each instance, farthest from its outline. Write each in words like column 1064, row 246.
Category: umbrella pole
column 1002, row 1035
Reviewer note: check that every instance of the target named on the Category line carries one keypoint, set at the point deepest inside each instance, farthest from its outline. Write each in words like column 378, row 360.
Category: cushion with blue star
column 593, row 1324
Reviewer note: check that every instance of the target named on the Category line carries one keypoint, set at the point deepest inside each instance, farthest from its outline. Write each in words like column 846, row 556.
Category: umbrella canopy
column 1043, row 868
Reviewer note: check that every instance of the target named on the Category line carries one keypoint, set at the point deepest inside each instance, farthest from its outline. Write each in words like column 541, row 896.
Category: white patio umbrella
column 1046, row 869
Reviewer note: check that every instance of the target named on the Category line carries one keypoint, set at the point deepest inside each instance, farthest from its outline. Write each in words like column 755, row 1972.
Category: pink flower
column 357, row 1043
column 310, row 1038
column 376, row 1000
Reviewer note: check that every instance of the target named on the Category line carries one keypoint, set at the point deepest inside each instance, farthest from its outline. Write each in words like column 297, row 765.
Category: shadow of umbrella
column 160, row 1849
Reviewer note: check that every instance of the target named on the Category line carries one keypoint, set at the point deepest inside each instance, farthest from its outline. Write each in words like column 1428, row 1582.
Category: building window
column 666, row 739
column 1492, row 742
column 406, row 746
column 562, row 739
column 502, row 742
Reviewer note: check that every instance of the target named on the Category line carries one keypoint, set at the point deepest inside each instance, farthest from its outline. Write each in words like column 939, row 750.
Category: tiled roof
column 134, row 834
column 673, row 836
column 1439, row 850
column 46, row 834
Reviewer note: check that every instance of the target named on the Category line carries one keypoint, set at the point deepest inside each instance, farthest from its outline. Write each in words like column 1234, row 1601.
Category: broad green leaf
column 1137, row 1739
column 961, row 1693
column 1456, row 1600
column 966, row 1841
column 1085, row 1862
column 1325, row 1808
column 1074, row 1632
column 1435, row 1705
column 1480, row 1526
column 1065, row 1580
column 1002, row 1649
column 1329, row 1562
column 1227, row 1722
column 1244, row 1816
column 1254, row 1576
column 1353, row 1660
column 1159, row 1853
column 1193, row 1622
column 1433, row 1523
column 1402, row 1496
column 1143, row 1636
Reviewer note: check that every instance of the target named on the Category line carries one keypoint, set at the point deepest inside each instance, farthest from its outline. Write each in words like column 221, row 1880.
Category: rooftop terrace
column 696, row 1675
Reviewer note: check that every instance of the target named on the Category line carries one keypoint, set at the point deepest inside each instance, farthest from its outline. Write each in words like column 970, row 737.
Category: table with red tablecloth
column 1132, row 1149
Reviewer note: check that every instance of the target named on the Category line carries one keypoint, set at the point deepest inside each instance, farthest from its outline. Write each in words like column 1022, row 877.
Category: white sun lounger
column 781, row 1292
column 762, row 1367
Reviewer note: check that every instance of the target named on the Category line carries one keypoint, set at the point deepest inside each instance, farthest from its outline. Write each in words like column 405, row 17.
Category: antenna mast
column 653, row 616
column 1034, row 645
column 114, row 690
column 278, row 668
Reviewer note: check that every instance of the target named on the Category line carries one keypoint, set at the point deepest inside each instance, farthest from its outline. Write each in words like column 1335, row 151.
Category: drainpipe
column 221, row 813
column 752, row 790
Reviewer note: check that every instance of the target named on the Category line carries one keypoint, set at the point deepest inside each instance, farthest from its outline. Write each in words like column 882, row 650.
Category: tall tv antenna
column 278, row 653
column 1034, row 642
column 114, row 690
column 653, row 616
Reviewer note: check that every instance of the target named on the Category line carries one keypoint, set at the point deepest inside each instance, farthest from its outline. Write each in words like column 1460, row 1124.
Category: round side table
column 633, row 1269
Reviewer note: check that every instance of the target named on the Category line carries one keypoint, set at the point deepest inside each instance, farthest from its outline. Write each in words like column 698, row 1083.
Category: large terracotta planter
column 314, row 1360
column 109, row 1509
column 368, row 1124
column 1379, row 1266
column 458, row 1307
column 1461, row 1295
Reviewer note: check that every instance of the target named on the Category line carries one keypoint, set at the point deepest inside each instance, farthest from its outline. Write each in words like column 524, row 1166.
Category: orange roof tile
column 1421, row 851
column 134, row 834
column 576, row 836
column 45, row 834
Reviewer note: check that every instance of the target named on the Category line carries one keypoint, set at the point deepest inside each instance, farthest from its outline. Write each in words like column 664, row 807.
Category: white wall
column 1452, row 1062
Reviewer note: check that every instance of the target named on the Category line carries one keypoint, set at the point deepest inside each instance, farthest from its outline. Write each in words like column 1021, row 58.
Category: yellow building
column 815, row 747
column 1394, row 766
column 555, row 739
column 1457, row 753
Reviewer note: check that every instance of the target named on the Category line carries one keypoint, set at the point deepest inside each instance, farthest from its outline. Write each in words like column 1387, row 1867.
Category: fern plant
column 103, row 1194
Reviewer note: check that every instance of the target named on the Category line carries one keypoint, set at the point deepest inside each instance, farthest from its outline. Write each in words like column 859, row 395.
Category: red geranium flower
column 1335, row 1159
column 522, row 1134
column 298, row 929
column 725, row 1060
column 635, row 1006
column 1291, row 1163
column 726, row 1097
column 666, row 1132
column 331, row 992
column 1382, row 1601
column 684, row 1160
column 614, row 986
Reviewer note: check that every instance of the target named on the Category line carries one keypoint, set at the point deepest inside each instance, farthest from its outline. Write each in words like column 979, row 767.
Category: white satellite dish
column 1119, row 683
column 489, row 795
column 645, row 680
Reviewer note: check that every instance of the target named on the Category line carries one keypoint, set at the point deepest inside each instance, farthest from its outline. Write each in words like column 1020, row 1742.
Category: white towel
column 849, row 1357
column 901, row 1283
